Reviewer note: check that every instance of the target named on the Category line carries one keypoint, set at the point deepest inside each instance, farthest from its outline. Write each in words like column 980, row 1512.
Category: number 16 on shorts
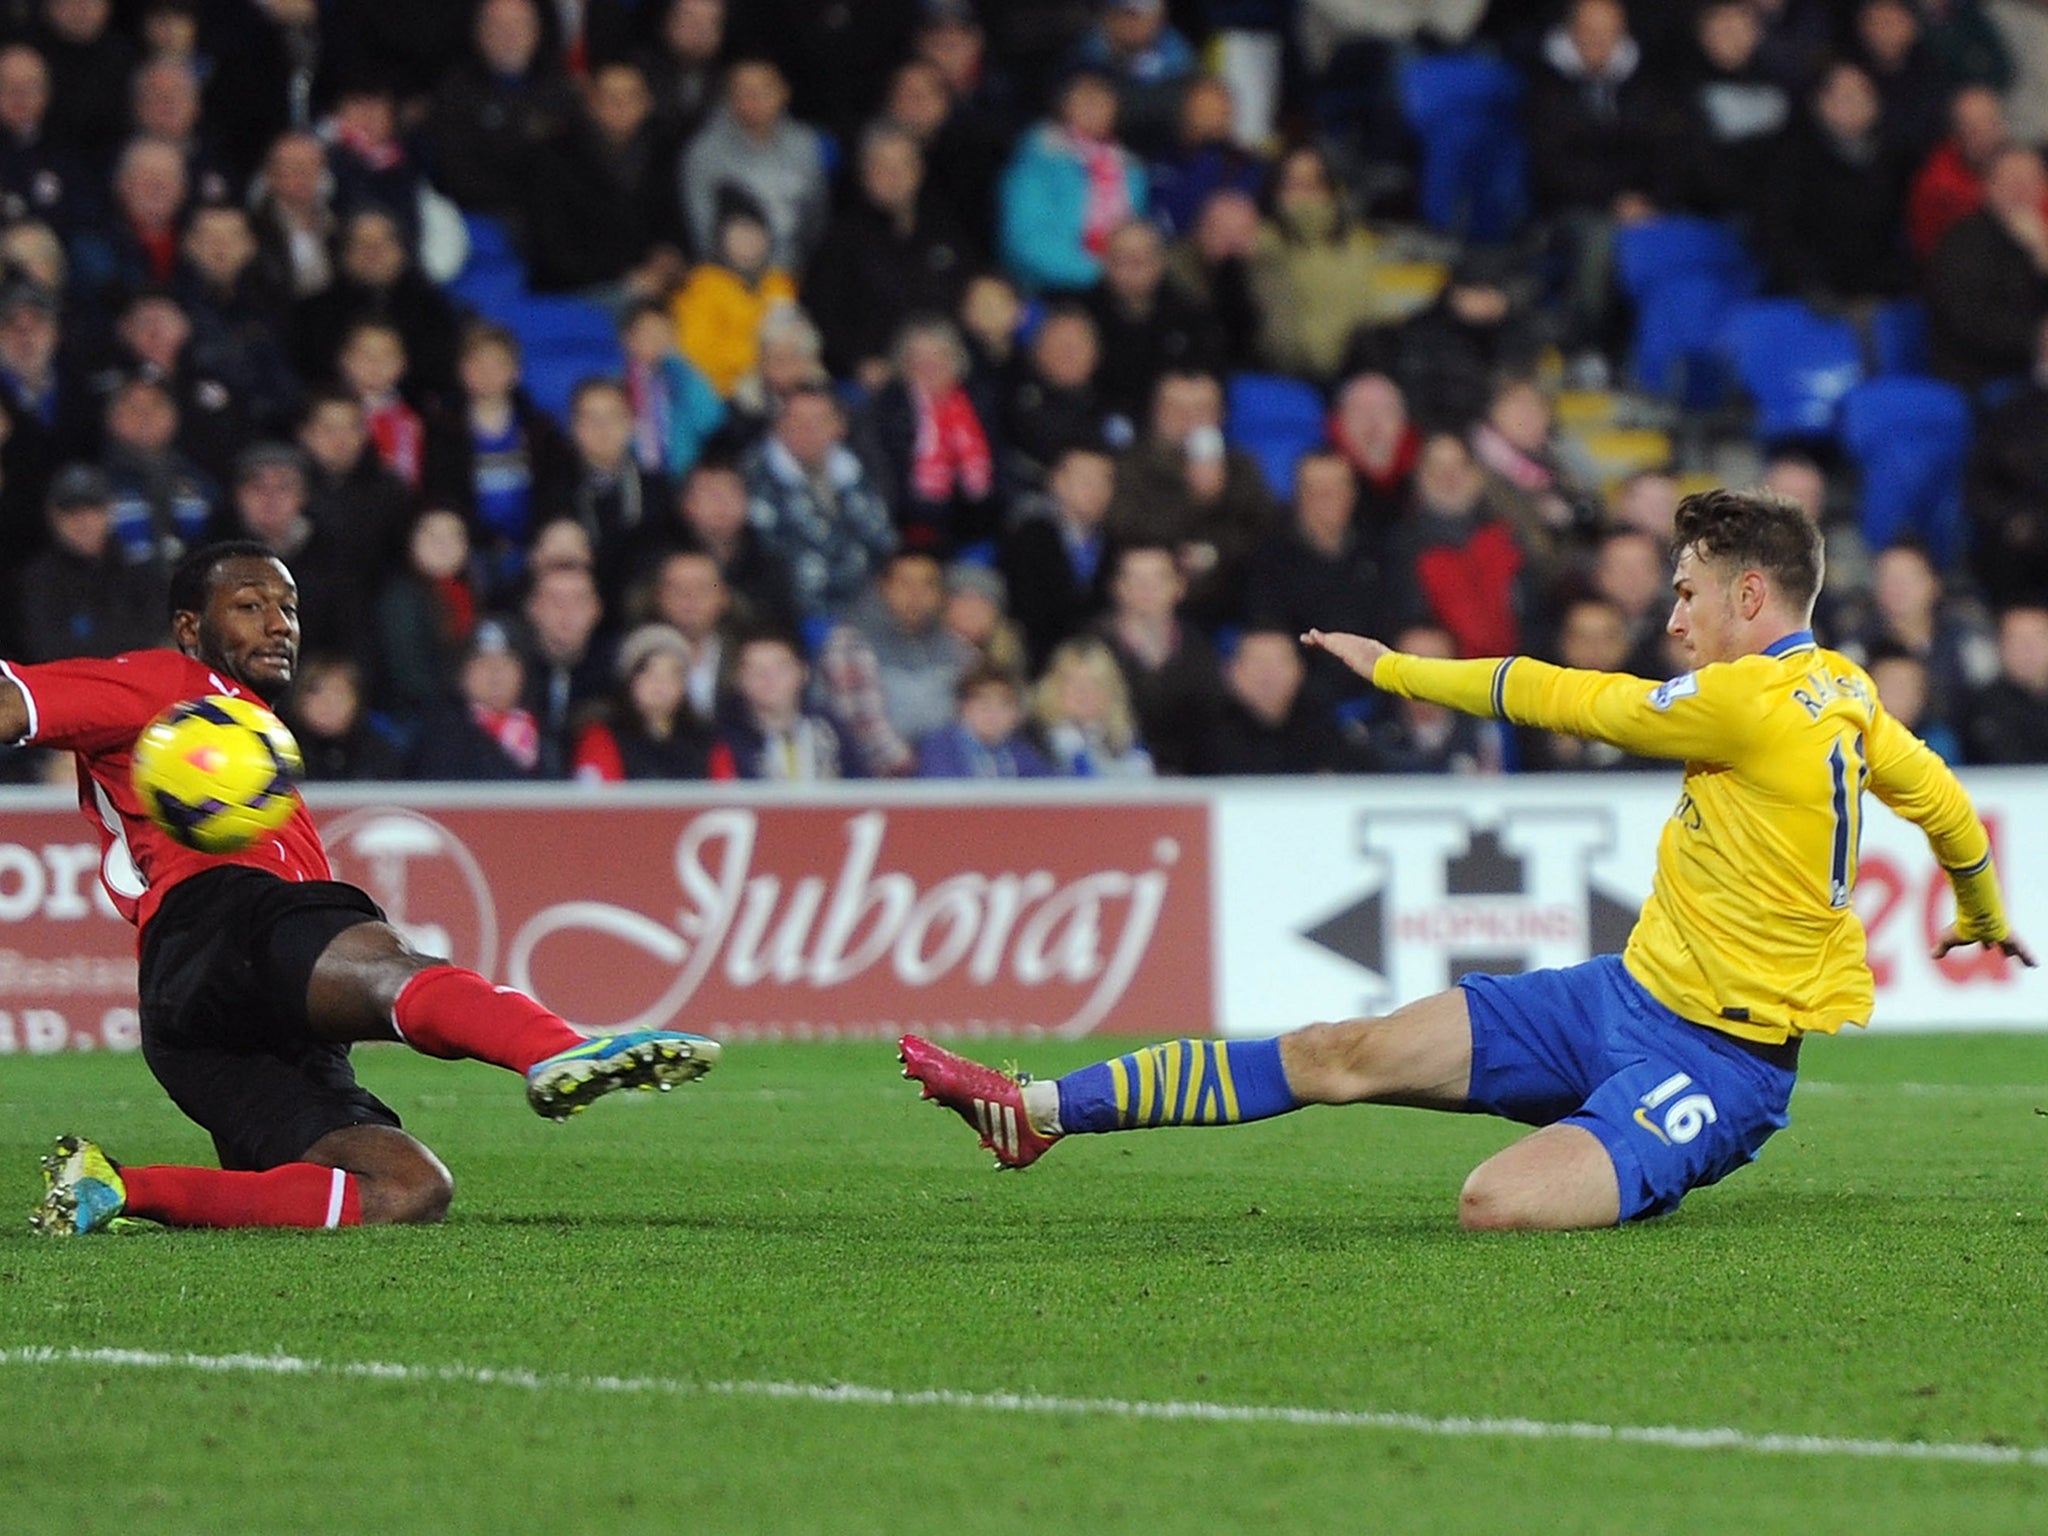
column 1671, row 1114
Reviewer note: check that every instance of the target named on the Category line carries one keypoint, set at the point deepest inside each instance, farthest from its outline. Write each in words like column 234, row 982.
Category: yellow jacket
column 718, row 318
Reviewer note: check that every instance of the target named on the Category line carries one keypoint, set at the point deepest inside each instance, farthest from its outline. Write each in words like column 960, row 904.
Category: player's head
column 235, row 607
column 1748, row 566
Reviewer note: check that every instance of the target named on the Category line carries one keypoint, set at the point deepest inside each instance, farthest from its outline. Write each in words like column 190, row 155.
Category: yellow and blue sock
column 1182, row 1082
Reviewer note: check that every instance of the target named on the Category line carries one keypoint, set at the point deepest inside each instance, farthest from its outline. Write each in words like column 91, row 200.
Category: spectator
column 49, row 408
column 647, row 730
column 269, row 498
column 81, row 596
column 977, row 613
column 604, row 490
column 154, row 339
column 985, row 739
column 1371, row 429
column 1146, row 325
column 684, row 68
column 675, row 410
column 1734, row 113
column 1597, row 121
column 291, row 204
column 1646, row 500
column 495, row 110
column 327, row 714
column 1448, row 357
column 1911, row 614
column 138, row 246
column 1083, row 712
column 1169, row 668
column 603, row 219
column 690, row 596
column 1901, row 680
column 1070, row 184
column 1631, row 571
column 40, row 178
column 1313, row 274
column 1832, row 225
column 1319, row 570
column 891, row 667
column 1533, row 484
column 1909, row 79
column 939, row 467
column 498, row 457
column 890, row 254
column 2006, row 490
column 485, row 733
column 991, row 316
column 376, row 279
column 1053, row 557
column 238, row 316
column 721, row 306
column 568, row 665
column 351, row 493
column 1186, row 489
column 752, row 144
column 790, row 348
column 1593, row 635
column 426, row 611
column 968, row 142
column 1204, row 158
column 162, row 501
column 90, row 63
column 1987, row 282
column 261, row 83
column 1949, row 186
column 769, row 734
column 1460, row 560
column 1268, row 723
column 1150, row 63
column 2007, row 720
column 815, row 507
column 165, row 106
column 711, row 519
column 1212, row 264
column 372, row 366
column 1411, row 736
column 1056, row 404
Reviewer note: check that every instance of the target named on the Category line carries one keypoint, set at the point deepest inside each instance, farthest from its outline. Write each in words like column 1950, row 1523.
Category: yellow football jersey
column 1749, row 927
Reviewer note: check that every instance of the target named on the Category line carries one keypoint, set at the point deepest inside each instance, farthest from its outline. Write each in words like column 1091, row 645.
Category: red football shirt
column 96, row 709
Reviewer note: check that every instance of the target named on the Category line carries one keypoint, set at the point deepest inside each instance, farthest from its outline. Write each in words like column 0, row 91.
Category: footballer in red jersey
column 258, row 970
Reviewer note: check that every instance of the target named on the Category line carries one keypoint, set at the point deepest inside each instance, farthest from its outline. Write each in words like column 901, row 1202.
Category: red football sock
column 456, row 1014
column 290, row 1195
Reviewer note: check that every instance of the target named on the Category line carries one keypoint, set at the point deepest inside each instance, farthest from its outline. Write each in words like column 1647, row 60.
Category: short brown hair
column 1754, row 530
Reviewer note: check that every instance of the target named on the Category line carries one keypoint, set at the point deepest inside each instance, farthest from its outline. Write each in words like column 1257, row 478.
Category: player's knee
column 1488, row 1204
column 419, row 1195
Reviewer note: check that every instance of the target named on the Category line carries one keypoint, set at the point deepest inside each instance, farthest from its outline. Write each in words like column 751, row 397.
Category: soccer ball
column 216, row 773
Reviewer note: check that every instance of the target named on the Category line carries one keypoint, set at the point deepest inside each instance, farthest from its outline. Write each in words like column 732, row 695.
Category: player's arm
column 87, row 705
column 1704, row 715
column 14, row 720
column 1916, row 783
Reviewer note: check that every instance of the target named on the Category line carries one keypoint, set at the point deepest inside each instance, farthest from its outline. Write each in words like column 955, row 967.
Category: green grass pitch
column 800, row 1218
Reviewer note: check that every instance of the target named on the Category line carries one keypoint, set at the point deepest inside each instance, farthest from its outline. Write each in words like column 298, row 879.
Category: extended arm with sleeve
column 1705, row 716
column 91, row 705
column 1918, row 785
column 14, row 720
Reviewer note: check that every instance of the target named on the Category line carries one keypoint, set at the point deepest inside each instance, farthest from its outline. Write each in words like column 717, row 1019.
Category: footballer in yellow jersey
column 1660, row 1070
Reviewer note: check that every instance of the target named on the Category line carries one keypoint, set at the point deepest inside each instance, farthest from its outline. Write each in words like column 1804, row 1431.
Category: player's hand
column 2012, row 944
column 1355, row 651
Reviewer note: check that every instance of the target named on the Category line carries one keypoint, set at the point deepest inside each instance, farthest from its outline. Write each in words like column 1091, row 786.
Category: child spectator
column 719, row 309
column 426, row 611
column 771, row 735
column 985, row 740
column 1084, row 715
column 648, row 730
column 372, row 366
column 337, row 738
column 485, row 733
column 675, row 408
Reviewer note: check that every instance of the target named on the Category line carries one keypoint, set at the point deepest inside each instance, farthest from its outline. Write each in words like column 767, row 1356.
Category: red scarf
column 400, row 438
column 1109, row 195
column 514, row 730
column 1383, row 479
column 952, row 450
column 457, row 607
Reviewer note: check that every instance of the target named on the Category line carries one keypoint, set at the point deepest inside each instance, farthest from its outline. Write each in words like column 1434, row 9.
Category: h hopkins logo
column 431, row 887
column 1453, row 896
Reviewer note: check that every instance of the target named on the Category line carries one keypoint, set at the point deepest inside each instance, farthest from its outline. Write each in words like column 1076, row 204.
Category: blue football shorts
column 1676, row 1105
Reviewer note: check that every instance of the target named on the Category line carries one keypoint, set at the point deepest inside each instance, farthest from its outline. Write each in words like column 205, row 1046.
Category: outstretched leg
column 1420, row 1055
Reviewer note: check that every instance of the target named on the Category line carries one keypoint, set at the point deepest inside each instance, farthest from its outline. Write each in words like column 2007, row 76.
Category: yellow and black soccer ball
column 217, row 773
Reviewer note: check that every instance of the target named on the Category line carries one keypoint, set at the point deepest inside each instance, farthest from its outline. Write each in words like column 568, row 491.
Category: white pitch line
column 844, row 1394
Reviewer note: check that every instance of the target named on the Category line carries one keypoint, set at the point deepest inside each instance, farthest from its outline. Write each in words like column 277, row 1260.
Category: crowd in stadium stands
column 917, row 450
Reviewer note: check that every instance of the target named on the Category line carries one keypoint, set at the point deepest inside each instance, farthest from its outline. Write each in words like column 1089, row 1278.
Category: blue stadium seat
column 490, row 243
column 1275, row 419
column 1898, row 337
column 1795, row 363
column 1466, row 110
column 1684, row 274
column 1679, row 244
column 554, row 367
column 1909, row 439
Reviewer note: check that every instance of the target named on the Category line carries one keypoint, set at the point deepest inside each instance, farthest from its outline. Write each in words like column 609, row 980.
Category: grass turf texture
column 799, row 1216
